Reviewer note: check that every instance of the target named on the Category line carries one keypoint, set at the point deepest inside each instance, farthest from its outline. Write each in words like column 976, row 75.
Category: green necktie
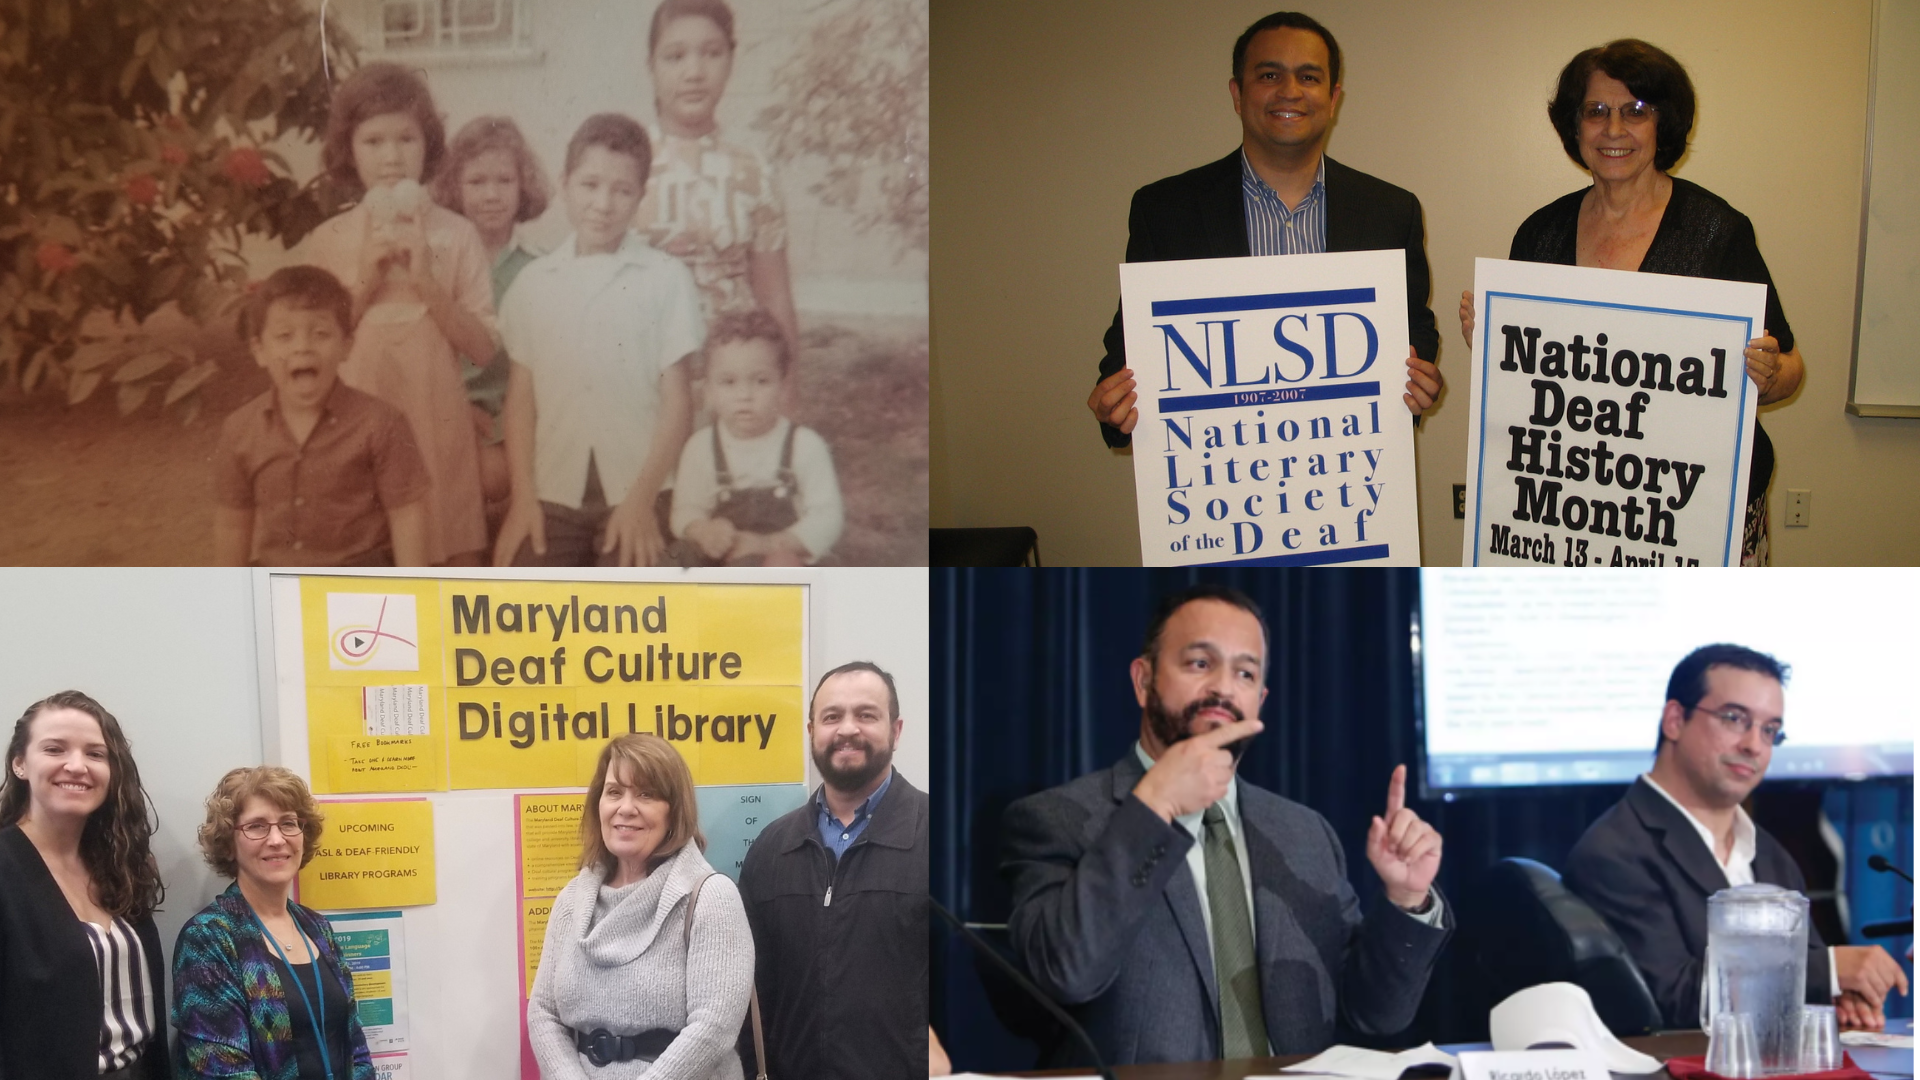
column 1243, row 1030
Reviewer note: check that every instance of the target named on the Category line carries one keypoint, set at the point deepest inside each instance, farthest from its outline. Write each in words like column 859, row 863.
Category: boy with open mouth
column 314, row 472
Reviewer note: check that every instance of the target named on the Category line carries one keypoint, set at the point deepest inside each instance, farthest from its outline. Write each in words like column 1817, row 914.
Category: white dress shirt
column 1738, row 865
column 597, row 332
column 1197, row 857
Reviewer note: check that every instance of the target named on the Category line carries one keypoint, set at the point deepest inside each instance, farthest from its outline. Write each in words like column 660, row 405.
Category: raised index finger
column 1396, row 792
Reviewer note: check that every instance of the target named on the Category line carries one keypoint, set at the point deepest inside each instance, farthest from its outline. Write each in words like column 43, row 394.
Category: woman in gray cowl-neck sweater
column 617, row 959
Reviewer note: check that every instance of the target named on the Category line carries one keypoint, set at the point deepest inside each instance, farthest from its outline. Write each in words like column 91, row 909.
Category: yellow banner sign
column 375, row 853
column 427, row 685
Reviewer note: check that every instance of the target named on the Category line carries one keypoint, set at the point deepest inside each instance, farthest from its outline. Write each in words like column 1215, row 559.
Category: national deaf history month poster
column 1271, row 431
column 1612, row 417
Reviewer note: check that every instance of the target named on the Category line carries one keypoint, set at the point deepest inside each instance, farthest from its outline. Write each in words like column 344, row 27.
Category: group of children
column 401, row 414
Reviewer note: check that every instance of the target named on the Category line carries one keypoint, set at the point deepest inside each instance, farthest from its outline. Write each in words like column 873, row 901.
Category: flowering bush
column 854, row 95
column 132, row 164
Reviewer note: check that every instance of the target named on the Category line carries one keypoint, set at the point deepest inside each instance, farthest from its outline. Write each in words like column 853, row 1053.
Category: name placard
column 1531, row 1065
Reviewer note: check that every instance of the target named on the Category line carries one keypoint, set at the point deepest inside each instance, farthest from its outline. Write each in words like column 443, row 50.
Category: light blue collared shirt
column 838, row 837
column 1272, row 229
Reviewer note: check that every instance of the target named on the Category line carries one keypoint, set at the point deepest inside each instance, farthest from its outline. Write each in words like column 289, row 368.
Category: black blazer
column 1198, row 215
column 1644, row 868
column 50, row 993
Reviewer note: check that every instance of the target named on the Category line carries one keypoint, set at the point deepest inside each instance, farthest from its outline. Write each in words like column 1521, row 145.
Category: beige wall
column 1047, row 116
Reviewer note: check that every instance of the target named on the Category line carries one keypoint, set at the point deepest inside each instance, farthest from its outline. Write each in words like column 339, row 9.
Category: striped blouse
column 129, row 1008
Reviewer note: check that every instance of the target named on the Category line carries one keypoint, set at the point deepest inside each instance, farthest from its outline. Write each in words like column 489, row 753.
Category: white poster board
column 1271, row 428
column 1612, row 417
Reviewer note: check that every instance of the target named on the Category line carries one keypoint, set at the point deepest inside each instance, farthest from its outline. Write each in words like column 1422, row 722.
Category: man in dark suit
column 1185, row 915
column 1278, row 194
column 1650, row 862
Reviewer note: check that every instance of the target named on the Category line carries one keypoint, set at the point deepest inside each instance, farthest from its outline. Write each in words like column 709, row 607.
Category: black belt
column 602, row 1047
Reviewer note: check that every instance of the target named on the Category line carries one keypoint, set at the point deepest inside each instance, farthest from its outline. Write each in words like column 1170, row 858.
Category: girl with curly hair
column 492, row 178
column 418, row 274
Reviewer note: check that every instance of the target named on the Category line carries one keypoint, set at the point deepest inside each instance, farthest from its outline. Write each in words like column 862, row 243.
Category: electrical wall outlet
column 1460, row 501
column 1799, row 507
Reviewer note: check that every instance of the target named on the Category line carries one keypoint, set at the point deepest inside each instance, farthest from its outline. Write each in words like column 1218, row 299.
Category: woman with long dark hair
column 81, row 987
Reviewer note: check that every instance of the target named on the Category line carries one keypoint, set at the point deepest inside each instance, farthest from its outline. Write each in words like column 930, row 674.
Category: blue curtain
column 1030, row 690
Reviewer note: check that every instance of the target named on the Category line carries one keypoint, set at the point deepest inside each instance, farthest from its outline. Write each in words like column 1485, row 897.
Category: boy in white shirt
column 755, row 489
column 598, row 400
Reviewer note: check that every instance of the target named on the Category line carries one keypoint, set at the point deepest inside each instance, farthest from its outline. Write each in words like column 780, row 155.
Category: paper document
column 1373, row 1064
column 1875, row 1038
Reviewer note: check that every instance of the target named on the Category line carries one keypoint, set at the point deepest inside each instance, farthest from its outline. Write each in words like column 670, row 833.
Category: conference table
column 1884, row 1063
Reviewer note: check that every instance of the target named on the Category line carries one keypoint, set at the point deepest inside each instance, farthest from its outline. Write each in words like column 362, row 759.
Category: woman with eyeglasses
column 259, row 986
column 81, row 987
column 1624, row 112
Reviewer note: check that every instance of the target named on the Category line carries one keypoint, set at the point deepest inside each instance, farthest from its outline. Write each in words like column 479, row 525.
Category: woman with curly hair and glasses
column 259, row 986
column 81, row 987
column 1623, row 112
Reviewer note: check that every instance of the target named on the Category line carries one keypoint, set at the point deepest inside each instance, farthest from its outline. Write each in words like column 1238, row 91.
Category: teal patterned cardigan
column 229, row 1006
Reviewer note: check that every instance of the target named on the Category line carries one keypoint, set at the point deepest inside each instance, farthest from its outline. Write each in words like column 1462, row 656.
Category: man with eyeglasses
column 1650, row 862
column 1276, row 194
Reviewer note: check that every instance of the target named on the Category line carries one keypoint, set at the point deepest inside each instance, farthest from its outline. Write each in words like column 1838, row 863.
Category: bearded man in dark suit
column 1184, row 914
column 1278, row 194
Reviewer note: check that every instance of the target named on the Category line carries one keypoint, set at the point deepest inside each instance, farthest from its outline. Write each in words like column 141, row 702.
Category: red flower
column 173, row 155
column 245, row 166
column 141, row 189
column 55, row 258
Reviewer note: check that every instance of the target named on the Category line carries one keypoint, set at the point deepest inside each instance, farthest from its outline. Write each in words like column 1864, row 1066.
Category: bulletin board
column 450, row 727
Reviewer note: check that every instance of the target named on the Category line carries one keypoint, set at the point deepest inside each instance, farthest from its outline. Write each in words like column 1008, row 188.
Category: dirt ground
column 87, row 487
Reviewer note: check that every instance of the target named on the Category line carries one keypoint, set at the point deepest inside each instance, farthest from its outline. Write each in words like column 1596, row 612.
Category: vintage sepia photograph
column 464, row 282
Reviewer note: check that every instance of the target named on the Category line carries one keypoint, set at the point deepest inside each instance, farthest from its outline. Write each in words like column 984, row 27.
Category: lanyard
column 320, row 1026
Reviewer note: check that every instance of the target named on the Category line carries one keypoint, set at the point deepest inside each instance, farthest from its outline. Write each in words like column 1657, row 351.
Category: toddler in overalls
column 755, row 488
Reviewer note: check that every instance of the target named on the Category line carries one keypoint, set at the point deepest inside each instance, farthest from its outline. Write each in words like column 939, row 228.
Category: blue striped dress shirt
column 1272, row 229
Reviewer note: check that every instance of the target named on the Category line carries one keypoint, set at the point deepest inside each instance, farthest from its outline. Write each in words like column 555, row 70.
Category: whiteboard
column 463, row 951
column 1886, row 367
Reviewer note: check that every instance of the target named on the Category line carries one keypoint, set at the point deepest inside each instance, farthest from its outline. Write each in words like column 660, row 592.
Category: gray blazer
column 1106, row 919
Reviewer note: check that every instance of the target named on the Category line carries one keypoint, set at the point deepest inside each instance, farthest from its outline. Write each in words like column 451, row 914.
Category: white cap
column 1562, row 1013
